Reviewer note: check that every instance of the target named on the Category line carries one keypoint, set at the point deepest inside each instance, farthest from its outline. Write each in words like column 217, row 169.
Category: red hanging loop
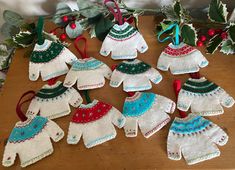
column 19, row 112
column 117, row 15
column 177, row 87
column 84, row 53
column 52, row 81
column 195, row 75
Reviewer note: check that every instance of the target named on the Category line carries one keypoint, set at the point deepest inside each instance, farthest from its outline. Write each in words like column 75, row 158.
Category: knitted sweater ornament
column 196, row 138
column 123, row 40
column 31, row 141
column 94, row 122
column 49, row 60
column 204, row 97
column 135, row 75
column 53, row 101
column 148, row 110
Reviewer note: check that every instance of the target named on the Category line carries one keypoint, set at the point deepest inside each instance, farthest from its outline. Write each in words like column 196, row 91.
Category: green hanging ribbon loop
column 176, row 36
column 88, row 99
column 39, row 30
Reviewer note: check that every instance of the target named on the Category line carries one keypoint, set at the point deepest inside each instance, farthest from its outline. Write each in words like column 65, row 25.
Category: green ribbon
column 88, row 99
column 39, row 30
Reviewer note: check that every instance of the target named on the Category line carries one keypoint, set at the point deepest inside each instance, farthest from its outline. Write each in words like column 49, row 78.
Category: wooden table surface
column 122, row 152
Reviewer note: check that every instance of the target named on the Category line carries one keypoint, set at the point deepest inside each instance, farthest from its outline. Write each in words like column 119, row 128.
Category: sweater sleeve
column 226, row 100
column 106, row 71
column 34, row 71
column 184, row 101
column 141, row 44
column 106, row 47
column 154, row 76
column 70, row 78
column 117, row 78
column 117, row 118
column 173, row 147
column 202, row 61
column 166, row 104
column 54, row 131
column 68, row 56
column 34, row 107
column 75, row 98
column 9, row 154
column 131, row 127
column 163, row 62
column 216, row 134
column 74, row 133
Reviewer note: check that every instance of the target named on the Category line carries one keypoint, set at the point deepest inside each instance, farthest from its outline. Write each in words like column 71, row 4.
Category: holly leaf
column 9, row 30
column 13, row 18
column 102, row 27
column 3, row 50
column 177, row 8
column 227, row 47
column 61, row 9
column 73, row 33
column 170, row 13
column 24, row 38
column 92, row 31
column 189, row 34
column 217, row 11
column 231, row 32
column 214, row 44
column 88, row 9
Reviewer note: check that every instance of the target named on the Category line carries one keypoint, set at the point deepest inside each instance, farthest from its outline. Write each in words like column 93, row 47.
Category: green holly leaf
column 214, row 44
column 227, row 47
column 24, row 38
column 102, row 27
column 61, row 9
column 217, row 11
column 3, row 50
column 88, row 9
column 13, row 18
column 9, row 30
column 169, row 12
column 92, row 31
column 73, row 33
column 177, row 8
column 189, row 34
column 231, row 32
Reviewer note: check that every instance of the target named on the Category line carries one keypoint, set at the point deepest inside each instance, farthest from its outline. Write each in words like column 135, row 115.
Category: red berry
column 73, row 25
column 202, row 38
column 224, row 35
column 65, row 18
column 218, row 31
column 211, row 32
column 199, row 43
column 53, row 32
column 63, row 37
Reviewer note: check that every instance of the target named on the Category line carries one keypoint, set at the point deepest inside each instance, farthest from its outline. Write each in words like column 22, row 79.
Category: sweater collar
column 121, row 27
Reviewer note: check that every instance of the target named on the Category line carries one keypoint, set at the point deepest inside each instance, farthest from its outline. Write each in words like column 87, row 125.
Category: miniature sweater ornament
column 135, row 75
column 52, row 101
column 123, row 40
column 94, row 122
column 147, row 110
column 204, row 97
column 180, row 57
column 30, row 138
column 88, row 72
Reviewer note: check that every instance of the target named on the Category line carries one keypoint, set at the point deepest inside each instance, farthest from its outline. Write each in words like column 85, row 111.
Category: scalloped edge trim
column 100, row 140
column 209, row 113
column 203, row 158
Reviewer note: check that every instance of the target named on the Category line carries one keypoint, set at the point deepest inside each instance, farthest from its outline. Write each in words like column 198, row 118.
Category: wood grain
column 122, row 152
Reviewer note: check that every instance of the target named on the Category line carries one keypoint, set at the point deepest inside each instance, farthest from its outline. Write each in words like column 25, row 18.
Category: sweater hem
column 37, row 158
column 123, row 57
column 191, row 70
column 203, row 158
column 100, row 140
column 209, row 113
column 140, row 88
column 91, row 86
column 57, row 115
column 56, row 74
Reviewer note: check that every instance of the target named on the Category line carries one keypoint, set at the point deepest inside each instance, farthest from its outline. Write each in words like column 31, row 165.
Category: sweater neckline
column 44, row 46
column 24, row 123
column 121, row 27
column 47, row 86
column 89, row 105
column 171, row 45
column 85, row 59
column 202, row 79
column 135, row 61
column 136, row 96
column 185, row 119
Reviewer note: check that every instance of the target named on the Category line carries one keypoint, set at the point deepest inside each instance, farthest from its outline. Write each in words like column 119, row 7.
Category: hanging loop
column 176, row 36
column 39, row 30
column 195, row 75
column 84, row 53
column 19, row 112
column 86, row 93
column 117, row 15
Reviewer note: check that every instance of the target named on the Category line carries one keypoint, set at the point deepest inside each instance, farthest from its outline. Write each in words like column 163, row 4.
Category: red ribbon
column 84, row 53
column 19, row 112
column 117, row 15
column 195, row 75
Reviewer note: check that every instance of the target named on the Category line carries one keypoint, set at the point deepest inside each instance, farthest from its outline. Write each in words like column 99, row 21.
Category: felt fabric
column 196, row 138
column 52, row 101
column 49, row 60
column 94, row 122
column 148, row 111
column 181, row 59
column 123, row 41
column 135, row 75
column 31, row 141
column 203, row 97
column 89, row 73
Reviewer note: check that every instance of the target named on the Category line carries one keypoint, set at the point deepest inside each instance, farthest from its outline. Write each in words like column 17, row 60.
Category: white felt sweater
column 123, row 41
column 204, row 97
column 52, row 101
column 49, row 60
column 135, row 75
column 195, row 138
column 31, row 141
column 89, row 73
column 148, row 111
column 181, row 59
column 94, row 122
